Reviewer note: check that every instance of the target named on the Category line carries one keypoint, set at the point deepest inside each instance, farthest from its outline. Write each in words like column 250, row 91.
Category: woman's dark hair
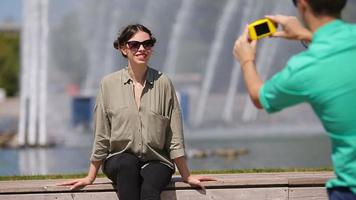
column 128, row 32
column 327, row 7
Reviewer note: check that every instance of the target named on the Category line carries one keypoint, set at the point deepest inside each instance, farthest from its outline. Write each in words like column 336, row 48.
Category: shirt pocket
column 122, row 128
column 157, row 129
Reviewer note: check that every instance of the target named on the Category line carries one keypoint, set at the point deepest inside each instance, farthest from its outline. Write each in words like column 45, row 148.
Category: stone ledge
column 261, row 186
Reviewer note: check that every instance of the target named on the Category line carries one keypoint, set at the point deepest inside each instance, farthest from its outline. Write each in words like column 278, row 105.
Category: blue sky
column 11, row 9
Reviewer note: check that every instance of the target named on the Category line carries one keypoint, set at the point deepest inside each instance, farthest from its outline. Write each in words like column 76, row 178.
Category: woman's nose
column 141, row 48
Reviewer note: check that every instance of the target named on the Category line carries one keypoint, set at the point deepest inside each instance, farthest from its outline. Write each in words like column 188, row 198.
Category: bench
column 244, row 186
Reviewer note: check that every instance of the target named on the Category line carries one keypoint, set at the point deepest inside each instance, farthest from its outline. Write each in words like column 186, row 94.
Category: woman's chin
column 141, row 60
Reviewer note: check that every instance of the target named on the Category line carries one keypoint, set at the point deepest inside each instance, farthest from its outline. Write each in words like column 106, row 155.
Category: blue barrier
column 183, row 98
column 82, row 110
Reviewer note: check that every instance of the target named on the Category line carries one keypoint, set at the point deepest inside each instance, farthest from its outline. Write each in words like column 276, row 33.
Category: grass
column 232, row 171
column 43, row 177
column 262, row 170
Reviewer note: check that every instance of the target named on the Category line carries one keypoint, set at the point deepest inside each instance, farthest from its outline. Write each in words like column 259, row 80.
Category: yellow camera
column 261, row 28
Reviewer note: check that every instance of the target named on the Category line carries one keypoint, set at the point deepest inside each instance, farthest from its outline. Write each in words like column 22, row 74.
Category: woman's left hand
column 197, row 180
column 194, row 181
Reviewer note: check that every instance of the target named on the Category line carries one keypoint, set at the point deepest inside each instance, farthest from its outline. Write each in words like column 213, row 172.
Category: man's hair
column 327, row 7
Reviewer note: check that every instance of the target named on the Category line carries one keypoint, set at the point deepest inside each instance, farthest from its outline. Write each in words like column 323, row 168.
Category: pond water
column 271, row 152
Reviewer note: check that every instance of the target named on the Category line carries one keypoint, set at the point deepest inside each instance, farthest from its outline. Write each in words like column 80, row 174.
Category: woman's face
column 139, row 48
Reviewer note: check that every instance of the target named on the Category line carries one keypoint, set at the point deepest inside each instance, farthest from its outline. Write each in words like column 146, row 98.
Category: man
column 323, row 76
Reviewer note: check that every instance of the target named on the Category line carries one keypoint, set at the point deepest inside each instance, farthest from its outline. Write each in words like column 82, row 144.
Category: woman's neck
column 137, row 72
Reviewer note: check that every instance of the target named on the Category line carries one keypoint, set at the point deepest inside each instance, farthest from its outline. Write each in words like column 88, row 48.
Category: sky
column 11, row 9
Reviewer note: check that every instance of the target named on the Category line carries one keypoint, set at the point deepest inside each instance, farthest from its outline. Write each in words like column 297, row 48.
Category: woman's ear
column 123, row 51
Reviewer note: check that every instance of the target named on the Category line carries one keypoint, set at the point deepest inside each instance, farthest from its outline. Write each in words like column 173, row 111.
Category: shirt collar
column 327, row 29
column 149, row 76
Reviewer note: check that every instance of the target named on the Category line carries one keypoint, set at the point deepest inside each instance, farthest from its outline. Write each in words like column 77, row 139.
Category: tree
column 9, row 62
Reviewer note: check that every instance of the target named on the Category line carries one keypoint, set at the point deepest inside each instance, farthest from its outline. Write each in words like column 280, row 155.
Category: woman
column 137, row 125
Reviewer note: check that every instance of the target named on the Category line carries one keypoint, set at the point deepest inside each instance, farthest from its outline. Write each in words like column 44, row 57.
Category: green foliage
column 9, row 62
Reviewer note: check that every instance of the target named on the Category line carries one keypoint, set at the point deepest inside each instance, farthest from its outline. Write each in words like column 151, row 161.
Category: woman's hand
column 89, row 179
column 187, row 177
column 292, row 28
column 77, row 183
column 197, row 180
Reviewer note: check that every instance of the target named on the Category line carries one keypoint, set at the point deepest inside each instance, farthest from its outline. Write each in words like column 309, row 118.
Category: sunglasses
column 135, row 45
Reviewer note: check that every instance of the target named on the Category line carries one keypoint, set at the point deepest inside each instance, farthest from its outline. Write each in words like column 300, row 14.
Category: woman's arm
column 89, row 179
column 187, row 177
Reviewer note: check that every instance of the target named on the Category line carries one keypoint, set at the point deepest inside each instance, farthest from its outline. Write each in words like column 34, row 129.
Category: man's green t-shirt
column 325, row 77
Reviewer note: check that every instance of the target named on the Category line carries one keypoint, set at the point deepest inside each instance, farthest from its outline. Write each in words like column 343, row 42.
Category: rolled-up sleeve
column 175, row 137
column 101, row 129
column 283, row 90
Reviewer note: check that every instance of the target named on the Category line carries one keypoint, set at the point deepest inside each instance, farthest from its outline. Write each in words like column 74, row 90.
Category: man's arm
column 245, row 53
column 253, row 82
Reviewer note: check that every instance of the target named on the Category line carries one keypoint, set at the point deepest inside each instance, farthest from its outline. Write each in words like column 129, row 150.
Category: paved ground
column 10, row 107
column 9, row 115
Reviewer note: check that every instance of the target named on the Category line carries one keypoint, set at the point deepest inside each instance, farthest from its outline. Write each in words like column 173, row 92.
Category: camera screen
column 262, row 29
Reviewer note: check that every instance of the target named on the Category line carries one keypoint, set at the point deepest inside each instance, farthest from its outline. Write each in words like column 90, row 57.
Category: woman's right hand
column 77, row 183
column 292, row 28
column 89, row 179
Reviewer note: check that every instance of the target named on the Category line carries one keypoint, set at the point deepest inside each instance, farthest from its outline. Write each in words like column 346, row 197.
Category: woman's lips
column 141, row 56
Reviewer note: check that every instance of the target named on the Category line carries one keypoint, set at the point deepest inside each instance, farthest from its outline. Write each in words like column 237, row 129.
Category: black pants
column 135, row 180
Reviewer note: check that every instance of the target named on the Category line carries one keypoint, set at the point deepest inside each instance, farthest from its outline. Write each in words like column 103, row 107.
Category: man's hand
column 292, row 28
column 77, row 183
column 245, row 50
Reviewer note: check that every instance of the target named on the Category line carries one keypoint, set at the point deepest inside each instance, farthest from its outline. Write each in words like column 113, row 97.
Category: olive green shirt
column 152, row 132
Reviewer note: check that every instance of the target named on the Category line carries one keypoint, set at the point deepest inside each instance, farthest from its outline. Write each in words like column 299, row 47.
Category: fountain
column 221, row 29
column 161, row 10
column 66, row 43
column 264, row 63
column 248, row 15
column 75, row 42
column 177, row 35
column 32, row 126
